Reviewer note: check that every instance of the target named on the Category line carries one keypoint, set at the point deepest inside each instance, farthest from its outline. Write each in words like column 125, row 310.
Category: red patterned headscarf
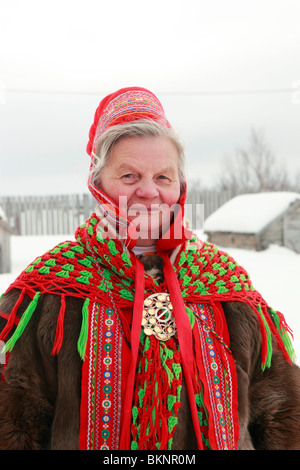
column 125, row 105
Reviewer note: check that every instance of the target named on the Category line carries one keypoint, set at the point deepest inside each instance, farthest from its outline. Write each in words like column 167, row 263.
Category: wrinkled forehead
column 147, row 152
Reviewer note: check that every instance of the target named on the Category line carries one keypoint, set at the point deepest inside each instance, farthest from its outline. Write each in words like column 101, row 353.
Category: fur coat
column 40, row 397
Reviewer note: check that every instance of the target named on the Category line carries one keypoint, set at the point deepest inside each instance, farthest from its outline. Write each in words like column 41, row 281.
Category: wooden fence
column 61, row 214
column 46, row 215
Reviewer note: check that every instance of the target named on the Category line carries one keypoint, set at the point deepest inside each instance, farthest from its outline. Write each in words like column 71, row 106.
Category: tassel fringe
column 23, row 323
column 283, row 330
column 267, row 347
column 12, row 317
column 82, row 340
column 59, row 328
column 279, row 329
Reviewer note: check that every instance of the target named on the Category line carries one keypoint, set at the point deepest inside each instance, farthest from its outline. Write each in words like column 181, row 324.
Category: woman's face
column 141, row 177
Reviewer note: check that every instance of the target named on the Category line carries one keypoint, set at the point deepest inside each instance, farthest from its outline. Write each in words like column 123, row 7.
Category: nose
column 147, row 190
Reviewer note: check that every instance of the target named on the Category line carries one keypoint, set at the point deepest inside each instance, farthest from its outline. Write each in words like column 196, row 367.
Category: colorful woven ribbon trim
column 217, row 370
column 102, row 378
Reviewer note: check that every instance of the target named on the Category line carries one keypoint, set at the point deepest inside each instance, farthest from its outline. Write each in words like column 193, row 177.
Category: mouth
column 136, row 208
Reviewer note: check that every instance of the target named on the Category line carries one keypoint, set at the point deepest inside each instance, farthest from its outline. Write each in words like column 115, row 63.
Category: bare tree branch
column 255, row 169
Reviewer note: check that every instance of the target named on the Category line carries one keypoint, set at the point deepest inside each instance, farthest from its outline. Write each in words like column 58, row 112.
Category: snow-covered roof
column 250, row 213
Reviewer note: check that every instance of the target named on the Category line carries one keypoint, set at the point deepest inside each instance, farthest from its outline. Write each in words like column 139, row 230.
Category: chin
column 152, row 227
column 148, row 236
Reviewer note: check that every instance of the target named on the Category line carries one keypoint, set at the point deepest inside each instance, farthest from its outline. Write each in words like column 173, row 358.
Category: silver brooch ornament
column 158, row 319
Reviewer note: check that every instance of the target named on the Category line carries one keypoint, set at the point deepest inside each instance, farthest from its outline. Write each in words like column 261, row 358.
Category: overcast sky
column 219, row 69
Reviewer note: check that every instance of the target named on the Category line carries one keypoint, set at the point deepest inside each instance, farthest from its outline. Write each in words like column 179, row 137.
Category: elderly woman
column 137, row 335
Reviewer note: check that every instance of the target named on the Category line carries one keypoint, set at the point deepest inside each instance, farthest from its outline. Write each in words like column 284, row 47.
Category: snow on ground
column 274, row 272
column 24, row 250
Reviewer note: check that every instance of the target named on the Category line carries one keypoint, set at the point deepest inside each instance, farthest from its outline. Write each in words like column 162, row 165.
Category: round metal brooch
column 158, row 319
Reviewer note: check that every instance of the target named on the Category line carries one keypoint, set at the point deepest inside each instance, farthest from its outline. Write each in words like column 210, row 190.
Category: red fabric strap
column 135, row 341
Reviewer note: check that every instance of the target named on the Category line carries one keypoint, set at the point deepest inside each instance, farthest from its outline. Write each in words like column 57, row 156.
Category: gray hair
column 140, row 128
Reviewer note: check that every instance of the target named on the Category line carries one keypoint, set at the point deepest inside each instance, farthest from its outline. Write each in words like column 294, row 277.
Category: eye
column 129, row 178
column 163, row 178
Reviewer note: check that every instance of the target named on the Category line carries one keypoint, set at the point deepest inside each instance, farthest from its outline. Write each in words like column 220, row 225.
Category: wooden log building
column 255, row 221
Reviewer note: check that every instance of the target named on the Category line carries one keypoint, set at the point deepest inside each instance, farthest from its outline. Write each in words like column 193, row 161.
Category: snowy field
column 275, row 273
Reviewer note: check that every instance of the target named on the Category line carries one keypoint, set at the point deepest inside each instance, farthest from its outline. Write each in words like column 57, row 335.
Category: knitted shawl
column 111, row 280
